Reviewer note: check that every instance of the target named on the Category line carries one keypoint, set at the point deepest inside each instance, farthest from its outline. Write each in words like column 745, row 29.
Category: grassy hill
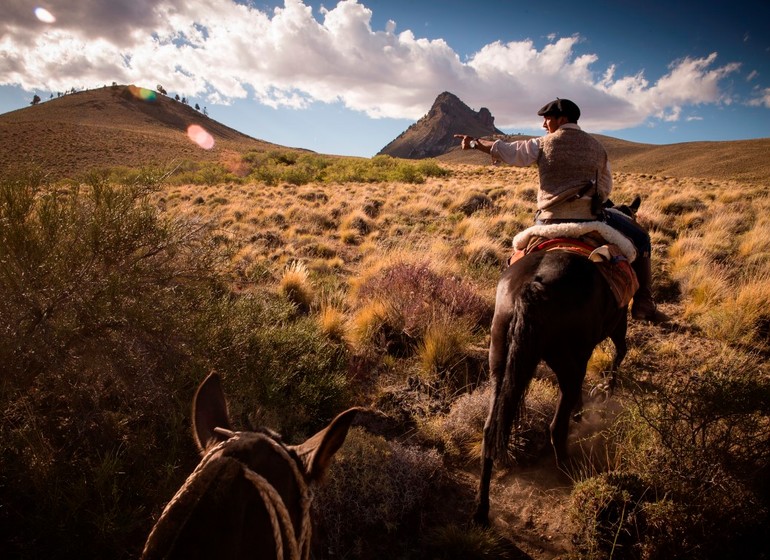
column 738, row 160
column 120, row 126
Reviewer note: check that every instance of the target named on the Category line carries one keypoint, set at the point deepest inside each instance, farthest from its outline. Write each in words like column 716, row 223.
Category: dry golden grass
column 296, row 286
column 710, row 237
column 322, row 245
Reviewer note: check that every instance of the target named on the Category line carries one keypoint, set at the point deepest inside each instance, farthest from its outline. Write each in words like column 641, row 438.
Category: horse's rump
column 611, row 259
column 506, row 405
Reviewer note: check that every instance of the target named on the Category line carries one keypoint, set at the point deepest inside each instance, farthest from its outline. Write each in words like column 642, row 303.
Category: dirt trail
column 530, row 504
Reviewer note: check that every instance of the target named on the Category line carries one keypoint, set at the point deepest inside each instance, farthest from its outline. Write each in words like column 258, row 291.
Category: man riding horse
column 575, row 184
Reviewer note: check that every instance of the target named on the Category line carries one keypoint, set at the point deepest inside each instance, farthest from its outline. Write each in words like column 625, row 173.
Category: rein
column 297, row 543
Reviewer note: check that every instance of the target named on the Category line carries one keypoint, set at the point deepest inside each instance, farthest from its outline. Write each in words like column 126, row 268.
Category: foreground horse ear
column 317, row 452
column 209, row 412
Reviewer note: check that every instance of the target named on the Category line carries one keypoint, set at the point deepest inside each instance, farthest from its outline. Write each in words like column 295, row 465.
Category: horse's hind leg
column 513, row 357
column 618, row 338
column 481, row 516
column 605, row 389
column 498, row 356
column 570, row 384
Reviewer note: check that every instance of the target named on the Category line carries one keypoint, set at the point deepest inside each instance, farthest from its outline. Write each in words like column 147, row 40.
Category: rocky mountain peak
column 433, row 134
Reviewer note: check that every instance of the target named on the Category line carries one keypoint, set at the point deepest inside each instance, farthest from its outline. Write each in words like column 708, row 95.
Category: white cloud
column 761, row 99
column 221, row 51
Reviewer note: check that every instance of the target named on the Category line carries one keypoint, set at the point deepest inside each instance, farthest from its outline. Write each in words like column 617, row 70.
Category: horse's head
column 250, row 495
column 211, row 425
column 629, row 210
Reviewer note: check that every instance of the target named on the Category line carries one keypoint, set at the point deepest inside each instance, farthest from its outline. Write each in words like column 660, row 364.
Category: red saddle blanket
column 610, row 261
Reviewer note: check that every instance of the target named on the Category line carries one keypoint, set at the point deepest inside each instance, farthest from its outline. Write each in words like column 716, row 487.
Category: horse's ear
column 209, row 411
column 636, row 203
column 317, row 452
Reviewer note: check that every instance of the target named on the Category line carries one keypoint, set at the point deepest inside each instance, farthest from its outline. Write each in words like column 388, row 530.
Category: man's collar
column 571, row 126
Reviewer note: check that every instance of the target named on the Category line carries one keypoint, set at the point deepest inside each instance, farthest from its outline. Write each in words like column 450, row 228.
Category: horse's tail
column 523, row 353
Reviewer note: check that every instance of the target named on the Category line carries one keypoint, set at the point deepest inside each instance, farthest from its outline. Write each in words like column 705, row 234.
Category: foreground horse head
column 250, row 495
column 553, row 306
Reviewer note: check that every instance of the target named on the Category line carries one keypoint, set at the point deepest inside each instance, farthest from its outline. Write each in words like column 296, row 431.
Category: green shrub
column 111, row 314
column 701, row 441
column 608, row 511
column 97, row 291
column 279, row 366
column 200, row 173
column 298, row 168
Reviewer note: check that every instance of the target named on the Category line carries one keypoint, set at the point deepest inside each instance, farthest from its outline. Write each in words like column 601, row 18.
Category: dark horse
column 553, row 306
column 250, row 495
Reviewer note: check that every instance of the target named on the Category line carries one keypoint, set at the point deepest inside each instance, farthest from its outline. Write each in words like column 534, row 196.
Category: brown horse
column 250, row 495
column 553, row 306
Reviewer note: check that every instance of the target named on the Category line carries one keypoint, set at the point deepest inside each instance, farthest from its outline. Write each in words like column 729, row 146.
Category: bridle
column 296, row 543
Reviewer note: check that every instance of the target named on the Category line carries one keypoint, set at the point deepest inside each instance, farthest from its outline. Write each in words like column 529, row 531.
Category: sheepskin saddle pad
column 602, row 244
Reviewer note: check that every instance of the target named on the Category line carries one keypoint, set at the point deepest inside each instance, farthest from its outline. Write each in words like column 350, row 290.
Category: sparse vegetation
column 312, row 283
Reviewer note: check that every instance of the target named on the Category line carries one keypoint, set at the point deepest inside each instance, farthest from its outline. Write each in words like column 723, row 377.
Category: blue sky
column 348, row 77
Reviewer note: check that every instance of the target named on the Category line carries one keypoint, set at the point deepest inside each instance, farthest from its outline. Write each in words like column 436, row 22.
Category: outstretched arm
column 472, row 143
column 521, row 152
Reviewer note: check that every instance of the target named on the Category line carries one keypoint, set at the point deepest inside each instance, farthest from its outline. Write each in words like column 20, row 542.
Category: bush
column 413, row 296
column 370, row 504
column 97, row 293
column 474, row 202
column 701, row 441
column 111, row 315
column 280, row 368
column 460, row 431
column 299, row 168
column 609, row 513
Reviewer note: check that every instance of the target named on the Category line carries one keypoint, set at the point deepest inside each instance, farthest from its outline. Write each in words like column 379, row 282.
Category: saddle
column 612, row 256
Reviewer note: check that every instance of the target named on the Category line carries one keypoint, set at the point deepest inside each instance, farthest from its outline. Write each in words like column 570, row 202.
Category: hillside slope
column 112, row 126
column 737, row 160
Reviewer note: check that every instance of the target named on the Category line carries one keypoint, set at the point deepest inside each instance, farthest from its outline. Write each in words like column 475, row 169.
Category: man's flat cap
column 561, row 107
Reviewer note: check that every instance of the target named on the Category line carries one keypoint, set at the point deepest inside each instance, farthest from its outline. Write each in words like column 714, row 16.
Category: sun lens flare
column 142, row 93
column 200, row 136
column 44, row 15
